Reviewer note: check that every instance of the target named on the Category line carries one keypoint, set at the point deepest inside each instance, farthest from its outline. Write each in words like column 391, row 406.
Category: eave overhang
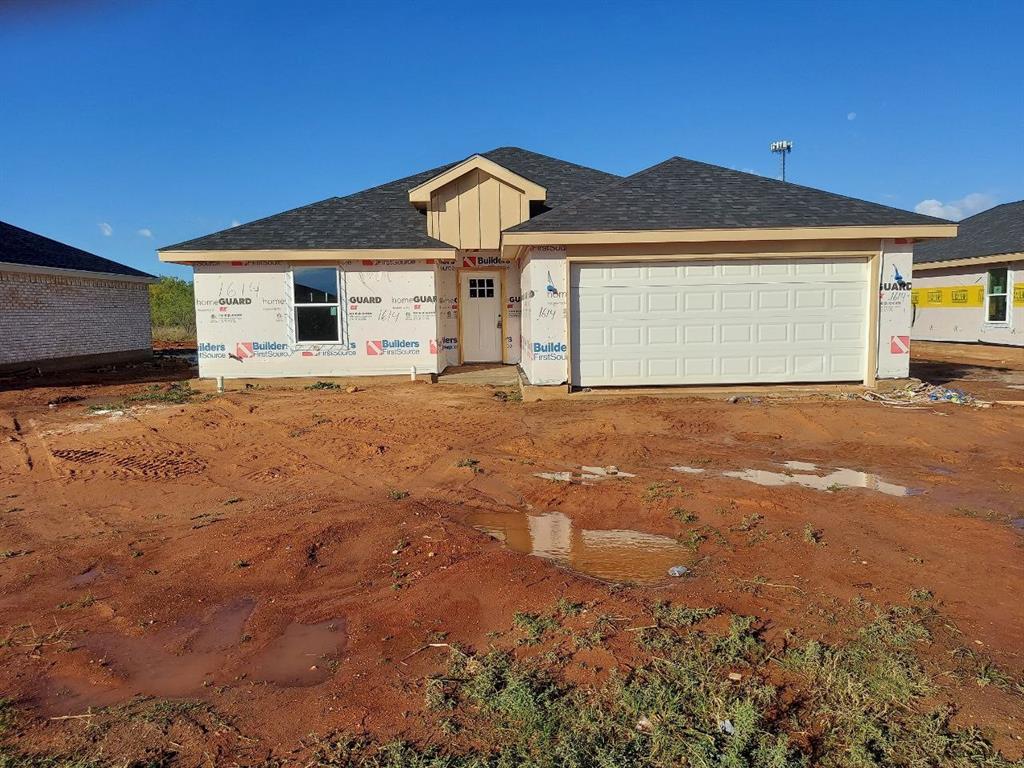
column 326, row 254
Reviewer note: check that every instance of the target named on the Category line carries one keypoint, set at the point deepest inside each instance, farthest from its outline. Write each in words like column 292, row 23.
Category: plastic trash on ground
column 922, row 395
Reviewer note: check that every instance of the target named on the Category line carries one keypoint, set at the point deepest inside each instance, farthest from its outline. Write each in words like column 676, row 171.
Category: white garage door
column 704, row 322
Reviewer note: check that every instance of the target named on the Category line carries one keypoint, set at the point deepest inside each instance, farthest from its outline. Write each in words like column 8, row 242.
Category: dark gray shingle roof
column 686, row 194
column 19, row 246
column 383, row 217
column 997, row 230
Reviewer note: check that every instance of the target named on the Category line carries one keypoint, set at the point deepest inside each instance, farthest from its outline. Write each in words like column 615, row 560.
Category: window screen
column 317, row 316
column 996, row 295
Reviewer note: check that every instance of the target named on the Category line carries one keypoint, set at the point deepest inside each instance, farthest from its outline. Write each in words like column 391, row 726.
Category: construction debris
column 922, row 395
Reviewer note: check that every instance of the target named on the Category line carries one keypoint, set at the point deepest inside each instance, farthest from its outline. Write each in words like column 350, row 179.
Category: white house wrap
column 578, row 276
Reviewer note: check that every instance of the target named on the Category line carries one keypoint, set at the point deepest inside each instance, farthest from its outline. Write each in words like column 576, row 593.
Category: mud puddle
column 812, row 476
column 613, row 555
column 182, row 661
column 585, row 474
column 302, row 656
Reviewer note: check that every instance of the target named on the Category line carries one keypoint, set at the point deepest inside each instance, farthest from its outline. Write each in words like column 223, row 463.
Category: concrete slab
column 493, row 374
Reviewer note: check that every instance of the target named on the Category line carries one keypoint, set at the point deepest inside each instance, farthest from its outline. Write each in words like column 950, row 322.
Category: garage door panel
column 773, row 299
column 592, row 337
column 736, row 366
column 626, row 369
column 733, row 301
column 663, row 335
column 705, row 322
column 810, row 365
column 591, row 303
column 663, row 302
column 847, row 298
column 849, row 366
column 663, row 366
column 624, row 336
column 699, row 301
column 736, row 334
column 699, row 367
column 626, row 302
column 810, row 298
column 773, row 365
column 698, row 271
column 851, row 332
column 772, row 332
column 698, row 334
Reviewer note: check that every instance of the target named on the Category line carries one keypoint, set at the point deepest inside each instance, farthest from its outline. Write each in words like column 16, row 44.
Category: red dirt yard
column 287, row 556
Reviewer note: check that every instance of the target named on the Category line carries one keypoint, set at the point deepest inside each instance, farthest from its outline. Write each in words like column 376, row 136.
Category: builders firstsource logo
column 381, row 347
column 208, row 351
column 248, row 349
column 330, row 350
column 549, row 350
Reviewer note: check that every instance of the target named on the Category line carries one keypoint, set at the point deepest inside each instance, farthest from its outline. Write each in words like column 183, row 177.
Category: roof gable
column 996, row 231
column 421, row 194
column 680, row 194
column 19, row 246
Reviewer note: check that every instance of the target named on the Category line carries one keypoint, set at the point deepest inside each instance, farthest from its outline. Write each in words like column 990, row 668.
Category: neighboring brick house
column 62, row 307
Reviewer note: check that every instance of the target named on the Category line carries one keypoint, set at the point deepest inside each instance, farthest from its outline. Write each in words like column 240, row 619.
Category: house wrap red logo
column 899, row 345
column 433, row 346
column 374, row 348
column 243, row 349
column 469, row 261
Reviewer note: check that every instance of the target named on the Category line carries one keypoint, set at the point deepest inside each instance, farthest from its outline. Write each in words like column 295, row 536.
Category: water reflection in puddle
column 800, row 473
column 812, row 476
column 584, row 475
column 613, row 555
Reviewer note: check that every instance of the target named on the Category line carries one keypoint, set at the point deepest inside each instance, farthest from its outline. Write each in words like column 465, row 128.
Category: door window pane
column 316, row 285
column 316, row 323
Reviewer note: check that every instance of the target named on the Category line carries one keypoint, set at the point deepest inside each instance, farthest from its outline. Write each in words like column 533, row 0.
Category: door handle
column 499, row 321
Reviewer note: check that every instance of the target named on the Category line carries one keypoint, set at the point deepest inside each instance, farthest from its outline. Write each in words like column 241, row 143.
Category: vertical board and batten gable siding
column 48, row 317
column 471, row 211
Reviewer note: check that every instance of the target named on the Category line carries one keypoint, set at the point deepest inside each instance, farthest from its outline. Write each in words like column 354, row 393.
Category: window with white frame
column 317, row 310
column 997, row 306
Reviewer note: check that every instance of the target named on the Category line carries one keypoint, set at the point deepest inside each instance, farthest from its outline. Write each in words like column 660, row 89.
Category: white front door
column 480, row 310
column 720, row 322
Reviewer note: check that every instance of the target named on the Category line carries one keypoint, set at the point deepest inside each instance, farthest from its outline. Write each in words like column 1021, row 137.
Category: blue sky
column 125, row 126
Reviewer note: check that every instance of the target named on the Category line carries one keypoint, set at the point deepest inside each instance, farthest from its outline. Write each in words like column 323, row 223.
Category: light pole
column 782, row 148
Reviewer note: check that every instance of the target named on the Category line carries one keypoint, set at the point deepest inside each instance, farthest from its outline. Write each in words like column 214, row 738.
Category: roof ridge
column 770, row 181
column 552, row 157
column 993, row 208
column 620, row 180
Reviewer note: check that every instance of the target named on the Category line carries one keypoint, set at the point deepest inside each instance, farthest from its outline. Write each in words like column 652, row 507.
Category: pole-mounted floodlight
column 782, row 148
